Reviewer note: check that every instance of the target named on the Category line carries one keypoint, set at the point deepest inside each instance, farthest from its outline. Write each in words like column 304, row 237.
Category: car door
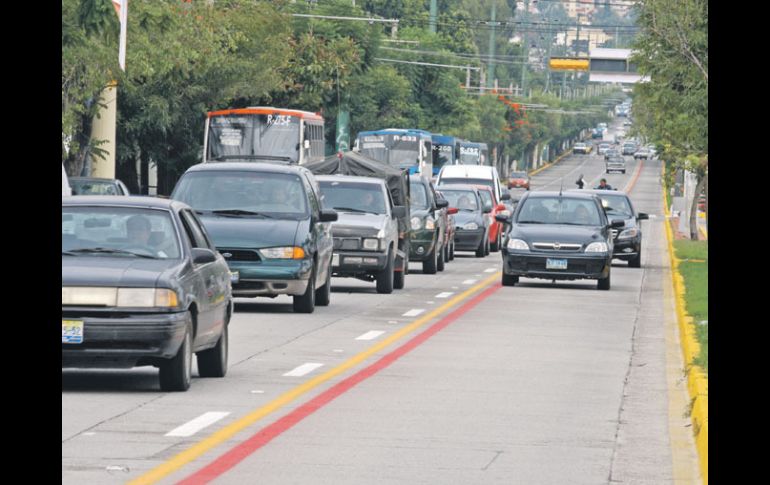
column 321, row 231
column 211, row 297
column 439, row 215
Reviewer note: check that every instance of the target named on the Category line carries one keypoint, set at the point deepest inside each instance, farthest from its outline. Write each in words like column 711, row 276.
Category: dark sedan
column 628, row 239
column 472, row 224
column 142, row 285
column 559, row 236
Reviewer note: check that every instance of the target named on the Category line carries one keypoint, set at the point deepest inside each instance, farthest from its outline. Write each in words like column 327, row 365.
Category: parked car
column 555, row 235
column 142, row 284
column 581, row 147
column 518, row 179
column 267, row 221
column 495, row 227
column 472, row 225
column 97, row 186
column 616, row 164
column 366, row 231
column 427, row 225
column 448, row 212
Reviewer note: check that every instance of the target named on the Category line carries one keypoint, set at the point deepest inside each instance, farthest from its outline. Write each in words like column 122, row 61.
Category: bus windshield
column 402, row 151
column 442, row 155
column 469, row 155
column 254, row 136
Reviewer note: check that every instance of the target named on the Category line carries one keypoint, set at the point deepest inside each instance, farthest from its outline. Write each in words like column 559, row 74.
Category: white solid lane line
column 413, row 312
column 303, row 369
column 370, row 335
column 197, row 424
column 445, row 294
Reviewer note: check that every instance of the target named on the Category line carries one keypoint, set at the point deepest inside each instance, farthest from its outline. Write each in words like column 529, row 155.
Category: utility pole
column 577, row 53
column 548, row 58
column 433, row 12
column 526, row 52
column 492, row 46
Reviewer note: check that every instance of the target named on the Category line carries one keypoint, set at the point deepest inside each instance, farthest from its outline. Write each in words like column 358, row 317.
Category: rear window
column 462, row 199
column 468, row 181
column 353, row 197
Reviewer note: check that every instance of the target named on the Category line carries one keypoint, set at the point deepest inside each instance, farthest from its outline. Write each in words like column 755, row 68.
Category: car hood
column 561, row 233
column 119, row 271
column 353, row 224
column 249, row 232
column 464, row 217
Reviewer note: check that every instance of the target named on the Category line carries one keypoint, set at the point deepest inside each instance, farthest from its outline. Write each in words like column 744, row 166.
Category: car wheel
column 510, row 279
column 446, row 252
column 305, row 303
column 624, row 171
column 176, row 373
column 323, row 294
column 440, row 261
column 636, row 261
column 481, row 250
column 429, row 265
column 452, row 251
column 604, row 283
column 385, row 277
column 399, row 277
column 495, row 247
column 486, row 246
column 213, row 362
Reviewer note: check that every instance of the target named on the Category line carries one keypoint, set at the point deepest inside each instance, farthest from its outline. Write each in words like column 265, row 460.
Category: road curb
column 697, row 380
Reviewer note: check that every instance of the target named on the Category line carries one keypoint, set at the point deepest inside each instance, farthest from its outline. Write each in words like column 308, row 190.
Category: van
column 473, row 175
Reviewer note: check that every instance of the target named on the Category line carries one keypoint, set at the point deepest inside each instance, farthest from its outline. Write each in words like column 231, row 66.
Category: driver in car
column 138, row 231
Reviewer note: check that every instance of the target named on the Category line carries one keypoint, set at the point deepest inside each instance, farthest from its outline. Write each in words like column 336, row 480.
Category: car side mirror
column 500, row 207
column 399, row 211
column 503, row 216
column 452, row 210
column 328, row 215
column 440, row 203
column 487, row 209
column 642, row 216
column 618, row 223
column 203, row 256
column 505, row 196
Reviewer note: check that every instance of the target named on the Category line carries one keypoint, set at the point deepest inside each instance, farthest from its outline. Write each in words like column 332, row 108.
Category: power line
column 428, row 64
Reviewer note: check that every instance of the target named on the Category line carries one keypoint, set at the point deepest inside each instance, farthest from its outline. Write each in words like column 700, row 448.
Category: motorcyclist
column 580, row 181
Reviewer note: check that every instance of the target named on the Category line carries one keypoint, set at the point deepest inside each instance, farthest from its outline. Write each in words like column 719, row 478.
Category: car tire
column 604, row 283
column 495, row 247
column 510, row 279
column 323, row 294
column 446, row 253
column 429, row 265
column 624, row 171
column 486, row 246
column 636, row 261
column 385, row 277
column 481, row 250
column 399, row 277
column 452, row 252
column 440, row 261
column 213, row 362
column 176, row 373
column 305, row 303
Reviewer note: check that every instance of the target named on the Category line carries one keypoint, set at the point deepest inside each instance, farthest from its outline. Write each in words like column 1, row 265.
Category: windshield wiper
column 75, row 252
column 241, row 212
column 252, row 157
column 531, row 222
column 351, row 209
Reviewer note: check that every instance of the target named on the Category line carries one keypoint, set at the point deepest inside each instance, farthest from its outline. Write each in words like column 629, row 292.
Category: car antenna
column 561, row 187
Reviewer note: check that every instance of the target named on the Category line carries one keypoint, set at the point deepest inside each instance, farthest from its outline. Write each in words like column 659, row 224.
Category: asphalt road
column 540, row 383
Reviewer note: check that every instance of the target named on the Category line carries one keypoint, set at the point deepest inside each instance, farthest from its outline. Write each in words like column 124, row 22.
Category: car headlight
column 287, row 252
column 371, row 244
column 430, row 224
column 628, row 233
column 120, row 297
column 597, row 247
column 416, row 223
column 471, row 226
column 517, row 245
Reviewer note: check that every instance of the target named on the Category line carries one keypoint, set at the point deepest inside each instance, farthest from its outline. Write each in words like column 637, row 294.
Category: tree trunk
column 694, row 209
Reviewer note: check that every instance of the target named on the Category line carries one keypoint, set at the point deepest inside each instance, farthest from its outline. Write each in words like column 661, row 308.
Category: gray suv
column 366, row 232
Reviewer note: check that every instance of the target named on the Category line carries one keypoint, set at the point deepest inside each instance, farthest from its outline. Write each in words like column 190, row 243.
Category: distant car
column 581, row 147
column 602, row 127
column 629, row 148
column 142, row 284
column 627, row 123
column 97, row 186
column 518, row 179
column 603, row 147
column 642, row 153
column 596, row 133
column 555, row 235
column 627, row 241
column 615, row 164
column 472, row 225
column 427, row 230
column 366, row 231
column 612, row 152
column 268, row 222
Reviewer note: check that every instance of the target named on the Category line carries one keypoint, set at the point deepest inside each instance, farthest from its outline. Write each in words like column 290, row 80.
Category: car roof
column 471, row 171
column 132, row 201
column 349, row 178
column 570, row 193
column 277, row 167
column 466, row 187
column 600, row 192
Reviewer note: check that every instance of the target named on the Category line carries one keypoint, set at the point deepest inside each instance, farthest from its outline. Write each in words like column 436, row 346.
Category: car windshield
column 462, row 199
column 118, row 232
column 418, row 197
column 617, row 205
column 93, row 187
column 353, row 197
column 244, row 193
column 559, row 210
column 486, row 197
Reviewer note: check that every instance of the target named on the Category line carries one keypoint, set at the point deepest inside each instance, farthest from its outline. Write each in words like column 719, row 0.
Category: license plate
column 555, row 263
column 71, row 332
column 335, row 260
